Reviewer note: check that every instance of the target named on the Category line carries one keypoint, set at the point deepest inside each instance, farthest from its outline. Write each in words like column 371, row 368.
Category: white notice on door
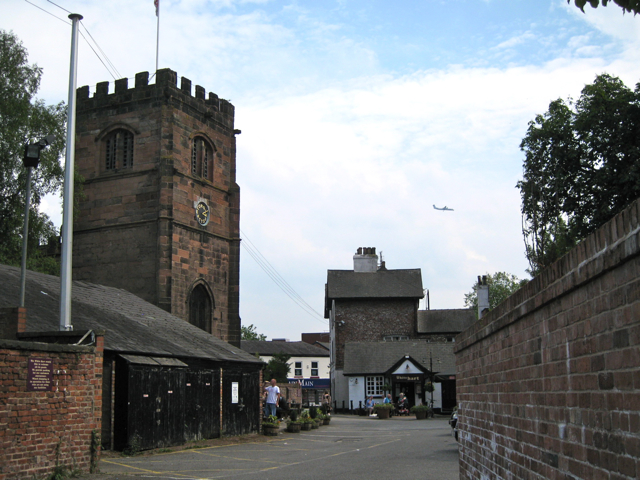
column 234, row 392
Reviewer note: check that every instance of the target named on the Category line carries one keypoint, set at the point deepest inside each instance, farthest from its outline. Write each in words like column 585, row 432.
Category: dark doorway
column 408, row 388
column 200, row 308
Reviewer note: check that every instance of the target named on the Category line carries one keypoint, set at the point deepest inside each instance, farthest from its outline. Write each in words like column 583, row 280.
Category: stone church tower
column 161, row 213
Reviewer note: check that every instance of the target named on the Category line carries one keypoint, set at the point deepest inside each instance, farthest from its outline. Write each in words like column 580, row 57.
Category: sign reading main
column 311, row 382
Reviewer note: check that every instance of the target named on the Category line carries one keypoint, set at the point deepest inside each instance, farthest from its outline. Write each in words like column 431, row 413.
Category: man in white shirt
column 273, row 397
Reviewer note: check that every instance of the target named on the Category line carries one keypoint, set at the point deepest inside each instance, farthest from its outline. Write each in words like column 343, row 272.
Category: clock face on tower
column 202, row 213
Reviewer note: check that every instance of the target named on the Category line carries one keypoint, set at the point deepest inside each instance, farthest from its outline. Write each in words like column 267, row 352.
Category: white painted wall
column 323, row 366
column 357, row 391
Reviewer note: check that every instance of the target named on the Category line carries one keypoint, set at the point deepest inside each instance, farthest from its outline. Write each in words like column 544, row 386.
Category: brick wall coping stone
column 614, row 243
column 44, row 347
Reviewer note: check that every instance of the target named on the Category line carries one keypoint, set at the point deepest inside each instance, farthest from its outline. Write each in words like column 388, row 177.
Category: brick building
column 163, row 381
column 160, row 217
column 378, row 335
column 308, row 365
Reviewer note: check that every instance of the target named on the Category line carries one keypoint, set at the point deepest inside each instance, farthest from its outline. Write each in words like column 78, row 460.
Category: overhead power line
column 113, row 71
column 253, row 251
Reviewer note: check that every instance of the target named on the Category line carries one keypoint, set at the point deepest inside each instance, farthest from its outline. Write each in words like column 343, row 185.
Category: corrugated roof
column 295, row 349
column 132, row 325
column 445, row 321
column 380, row 284
column 369, row 358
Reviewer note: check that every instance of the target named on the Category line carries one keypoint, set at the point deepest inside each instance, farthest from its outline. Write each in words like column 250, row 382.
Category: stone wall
column 370, row 320
column 59, row 426
column 549, row 382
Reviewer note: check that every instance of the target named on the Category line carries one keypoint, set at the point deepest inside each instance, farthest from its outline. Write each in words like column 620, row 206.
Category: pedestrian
column 369, row 405
column 273, row 397
column 327, row 403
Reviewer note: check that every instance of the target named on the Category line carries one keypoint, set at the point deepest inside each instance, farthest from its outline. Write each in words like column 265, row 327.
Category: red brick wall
column 548, row 383
column 136, row 228
column 370, row 320
column 39, row 430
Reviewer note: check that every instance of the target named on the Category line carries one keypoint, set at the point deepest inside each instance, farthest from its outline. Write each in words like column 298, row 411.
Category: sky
column 357, row 116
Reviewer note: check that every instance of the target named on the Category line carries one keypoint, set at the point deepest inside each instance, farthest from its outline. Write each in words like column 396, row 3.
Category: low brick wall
column 548, row 383
column 42, row 427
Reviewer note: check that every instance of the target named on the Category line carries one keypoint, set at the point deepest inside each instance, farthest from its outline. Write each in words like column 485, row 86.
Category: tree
column 25, row 119
column 626, row 5
column 278, row 368
column 501, row 285
column 250, row 333
column 581, row 167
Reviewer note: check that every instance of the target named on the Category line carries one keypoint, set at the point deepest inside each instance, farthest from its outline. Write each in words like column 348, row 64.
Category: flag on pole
column 156, row 3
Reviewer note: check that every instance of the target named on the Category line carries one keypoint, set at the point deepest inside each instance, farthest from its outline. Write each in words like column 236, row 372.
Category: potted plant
column 326, row 418
column 420, row 411
column 293, row 424
column 313, row 413
column 306, row 420
column 429, row 387
column 383, row 410
column 271, row 426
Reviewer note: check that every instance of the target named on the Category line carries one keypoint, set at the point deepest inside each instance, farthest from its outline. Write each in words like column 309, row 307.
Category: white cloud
column 337, row 153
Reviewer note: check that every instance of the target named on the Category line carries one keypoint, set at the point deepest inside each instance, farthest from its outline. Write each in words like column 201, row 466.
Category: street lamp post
column 31, row 160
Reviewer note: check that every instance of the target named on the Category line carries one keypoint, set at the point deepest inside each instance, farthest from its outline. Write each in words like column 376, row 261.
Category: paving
column 350, row 447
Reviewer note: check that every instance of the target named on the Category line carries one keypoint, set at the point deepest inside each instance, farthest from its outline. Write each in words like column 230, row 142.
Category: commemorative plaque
column 39, row 375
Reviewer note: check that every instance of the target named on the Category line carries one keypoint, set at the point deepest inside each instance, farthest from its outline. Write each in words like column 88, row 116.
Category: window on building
column 395, row 338
column 119, row 149
column 374, row 385
column 202, row 159
column 314, row 369
column 200, row 308
column 298, row 369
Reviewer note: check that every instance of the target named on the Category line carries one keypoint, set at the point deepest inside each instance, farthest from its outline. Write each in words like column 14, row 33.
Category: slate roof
column 453, row 320
column 380, row 284
column 376, row 358
column 295, row 349
column 132, row 325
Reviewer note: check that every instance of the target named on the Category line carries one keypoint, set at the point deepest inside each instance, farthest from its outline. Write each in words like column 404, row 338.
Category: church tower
column 161, row 211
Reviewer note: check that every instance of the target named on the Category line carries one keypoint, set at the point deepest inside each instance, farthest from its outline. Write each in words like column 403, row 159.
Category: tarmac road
column 351, row 447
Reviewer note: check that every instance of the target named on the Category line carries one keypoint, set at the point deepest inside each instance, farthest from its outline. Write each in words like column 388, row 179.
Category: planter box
column 421, row 414
column 306, row 426
column 383, row 413
column 270, row 431
column 294, row 427
column 326, row 421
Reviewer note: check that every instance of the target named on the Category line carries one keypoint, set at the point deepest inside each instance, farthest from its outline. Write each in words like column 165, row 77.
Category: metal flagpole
column 157, row 4
column 67, row 209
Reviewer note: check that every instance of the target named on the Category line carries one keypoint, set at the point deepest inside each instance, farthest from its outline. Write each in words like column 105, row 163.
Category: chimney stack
column 483, row 296
column 365, row 260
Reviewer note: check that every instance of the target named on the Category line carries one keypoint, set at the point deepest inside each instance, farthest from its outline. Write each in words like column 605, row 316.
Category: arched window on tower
column 118, row 149
column 200, row 308
column 202, row 159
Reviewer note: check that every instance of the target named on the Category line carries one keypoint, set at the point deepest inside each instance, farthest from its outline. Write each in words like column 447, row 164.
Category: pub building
column 403, row 367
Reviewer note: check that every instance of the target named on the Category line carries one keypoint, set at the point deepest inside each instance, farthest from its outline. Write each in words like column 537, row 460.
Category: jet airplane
column 445, row 209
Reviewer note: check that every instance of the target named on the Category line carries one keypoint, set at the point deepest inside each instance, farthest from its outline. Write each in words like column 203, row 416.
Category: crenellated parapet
column 165, row 89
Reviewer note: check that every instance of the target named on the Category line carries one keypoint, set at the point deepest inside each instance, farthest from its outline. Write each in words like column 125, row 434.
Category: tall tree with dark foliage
column 25, row 119
column 581, row 167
